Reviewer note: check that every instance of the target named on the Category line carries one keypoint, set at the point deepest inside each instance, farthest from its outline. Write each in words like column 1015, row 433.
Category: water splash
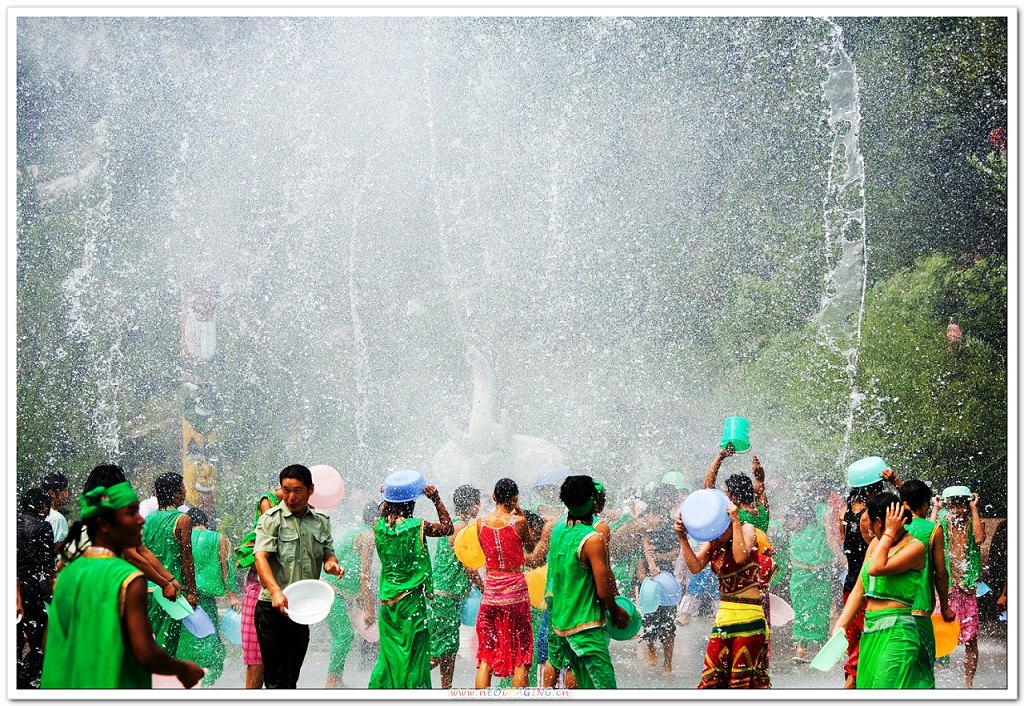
column 842, row 305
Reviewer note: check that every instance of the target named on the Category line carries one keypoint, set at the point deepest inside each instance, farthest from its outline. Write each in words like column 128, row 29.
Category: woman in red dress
column 503, row 630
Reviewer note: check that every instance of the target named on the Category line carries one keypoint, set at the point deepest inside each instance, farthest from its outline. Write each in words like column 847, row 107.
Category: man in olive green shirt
column 293, row 543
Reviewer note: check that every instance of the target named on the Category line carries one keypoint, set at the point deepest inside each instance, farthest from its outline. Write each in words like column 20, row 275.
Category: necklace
column 99, row 551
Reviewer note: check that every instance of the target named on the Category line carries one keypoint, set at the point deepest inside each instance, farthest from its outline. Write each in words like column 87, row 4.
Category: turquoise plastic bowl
column 635, row 618
column 650, row 596
column 957, row 491
column 866, row 471
column 470, row 607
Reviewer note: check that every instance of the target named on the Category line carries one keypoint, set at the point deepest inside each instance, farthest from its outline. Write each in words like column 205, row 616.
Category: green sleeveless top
column 972, row 572
column 808, row 547
column 922, row 530
column 206, row 553
column 85, row 643
column 158, row 536
column 404, row 560
column 574, row 606
column 760, row 520
column 245, row 553
column 349, row 560
column 449, row 574
column 903, row 587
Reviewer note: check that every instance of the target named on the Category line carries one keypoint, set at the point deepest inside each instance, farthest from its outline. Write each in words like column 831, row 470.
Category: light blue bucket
column 650, row 596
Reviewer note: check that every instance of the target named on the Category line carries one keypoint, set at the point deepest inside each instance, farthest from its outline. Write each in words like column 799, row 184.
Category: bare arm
column 910, row 557
column 142, row 644
column 851, row 607
column 934, row 514
column 712, row 476
column 940, row 577
column 760, row 495
column 652, row 566
column 183, row 530
column 744, row 538
column 976, row 523
column 694, row 562
column 442, row 528
column 539, row 554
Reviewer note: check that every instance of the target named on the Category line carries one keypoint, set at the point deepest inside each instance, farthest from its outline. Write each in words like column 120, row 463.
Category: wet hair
column 504, row 490
column 575, row 490
column 465, row 497
column 879, row 504
column 600, row 500
column 915, row 493
column 105, row 474
column 866, row 491
column 401, row 509
column 167, row 485
column 741, row 489
column 54, row 483
column 198, row 517
column 297, row 472
column 35, row 501
column 370, row 513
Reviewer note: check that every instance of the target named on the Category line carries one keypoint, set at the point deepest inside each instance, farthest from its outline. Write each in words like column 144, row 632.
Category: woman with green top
column 99, row 634
column 890, row 579
column 810, row 585
column 917, row 496
column 405, row 582
column 215, row 577
column 750, row 497
column 168, row 534
column 348, row 588
column 452, row 582
column 252, row 658
column 965, row 533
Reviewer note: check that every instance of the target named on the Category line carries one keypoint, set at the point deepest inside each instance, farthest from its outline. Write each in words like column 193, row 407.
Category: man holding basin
column 293, row 543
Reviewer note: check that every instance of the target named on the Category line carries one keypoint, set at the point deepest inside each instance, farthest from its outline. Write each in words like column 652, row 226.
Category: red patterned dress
column 503, row 629
column 737, row 652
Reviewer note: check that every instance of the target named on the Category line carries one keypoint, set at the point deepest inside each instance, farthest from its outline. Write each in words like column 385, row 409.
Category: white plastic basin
column 309, row 601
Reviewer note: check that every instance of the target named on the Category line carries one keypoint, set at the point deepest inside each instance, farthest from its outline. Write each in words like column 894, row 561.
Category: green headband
column 101, row 500
column 584, row 509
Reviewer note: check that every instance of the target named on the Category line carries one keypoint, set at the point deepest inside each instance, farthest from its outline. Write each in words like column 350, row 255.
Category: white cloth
column 59, row 524
column 147, row 506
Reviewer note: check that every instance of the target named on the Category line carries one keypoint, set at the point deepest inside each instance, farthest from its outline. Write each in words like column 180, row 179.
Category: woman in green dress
column 890, row 580
column 810, row 585
column 99, row 635
column 405, row 582
column 215, row 577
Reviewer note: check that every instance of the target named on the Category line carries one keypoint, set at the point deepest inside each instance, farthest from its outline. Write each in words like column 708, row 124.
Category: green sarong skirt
column 890, row 651
column 404, row 659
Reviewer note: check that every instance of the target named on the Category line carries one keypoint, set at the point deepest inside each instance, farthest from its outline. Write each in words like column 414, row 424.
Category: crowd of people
column 898, row 558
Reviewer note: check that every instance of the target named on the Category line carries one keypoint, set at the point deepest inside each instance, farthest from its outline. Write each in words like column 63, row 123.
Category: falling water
column 842, row 304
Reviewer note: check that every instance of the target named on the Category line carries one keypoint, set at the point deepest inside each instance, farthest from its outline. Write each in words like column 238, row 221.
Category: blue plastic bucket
column 704, row 514
column 231, row 626
column 470, row 607
column 403, row 486
column 199, row 624
column 671, row 591
column 650, row 596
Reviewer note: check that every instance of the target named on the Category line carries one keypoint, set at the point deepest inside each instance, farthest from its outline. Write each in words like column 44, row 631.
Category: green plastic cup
column 736, row 431
column 830, row 653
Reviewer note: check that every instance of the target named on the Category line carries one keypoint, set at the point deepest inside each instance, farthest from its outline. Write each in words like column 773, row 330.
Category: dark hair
column 297, row 472
column 504, row 490
column 198, row 517
column 741, row 488
column 879, row 504
column 535, row 522
column 401, row 509
column 866, row 491
column 465, row 497
column 167, row 485
column 575, row 490
column 370, row 513
column 55, row 482
column 915, row 493
column 600, row 500
column 106, row 475
column 35, row 501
